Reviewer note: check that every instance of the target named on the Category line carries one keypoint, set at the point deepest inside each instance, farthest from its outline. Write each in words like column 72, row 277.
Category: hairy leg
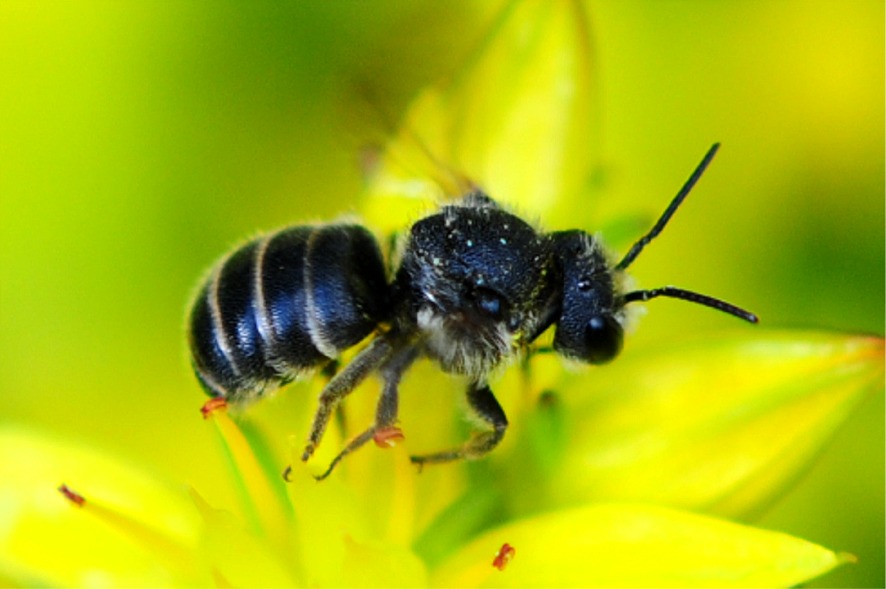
column 484, row 404
column 388, row 402
column 341, row 386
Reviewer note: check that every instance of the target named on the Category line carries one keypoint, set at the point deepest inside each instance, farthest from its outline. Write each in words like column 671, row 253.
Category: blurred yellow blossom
column 655, row 437
column 625, row 475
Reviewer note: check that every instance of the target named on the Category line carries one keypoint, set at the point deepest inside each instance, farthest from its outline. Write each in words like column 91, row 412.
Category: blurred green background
column 139, row 141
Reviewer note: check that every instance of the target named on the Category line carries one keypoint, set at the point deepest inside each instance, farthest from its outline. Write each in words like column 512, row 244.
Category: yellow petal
column 259, row 477
column 515, row 119
column 624, row 545
column 326, row 513
column 377, row 564
column 721, row 425
column 133, row 531
column 239, row 557
column 342, row 541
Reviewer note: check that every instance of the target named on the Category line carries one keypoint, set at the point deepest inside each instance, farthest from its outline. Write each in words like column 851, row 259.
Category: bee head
column 589, row 327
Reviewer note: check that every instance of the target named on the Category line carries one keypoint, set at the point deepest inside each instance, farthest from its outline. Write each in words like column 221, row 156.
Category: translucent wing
column 515, row 119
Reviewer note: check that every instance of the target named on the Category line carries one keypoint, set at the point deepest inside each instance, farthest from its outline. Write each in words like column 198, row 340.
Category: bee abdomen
column 285, row 304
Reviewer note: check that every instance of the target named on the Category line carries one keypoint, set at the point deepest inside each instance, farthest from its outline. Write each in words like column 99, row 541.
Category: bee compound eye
column 489, row 303
column 603, row 339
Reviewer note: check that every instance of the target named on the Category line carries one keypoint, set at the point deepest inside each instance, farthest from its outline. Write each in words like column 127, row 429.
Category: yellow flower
column 598, row 486
column 633, row 474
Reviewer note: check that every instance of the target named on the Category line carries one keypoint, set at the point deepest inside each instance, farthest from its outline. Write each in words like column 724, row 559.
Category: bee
column 474, row 286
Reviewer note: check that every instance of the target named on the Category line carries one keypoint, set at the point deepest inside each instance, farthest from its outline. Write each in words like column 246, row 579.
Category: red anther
column 212, row 405
column 504, row 556
column 388, row 437
column 75, row 498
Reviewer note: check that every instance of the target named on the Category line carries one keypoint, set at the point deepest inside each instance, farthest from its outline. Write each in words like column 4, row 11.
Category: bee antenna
column 692, row 297
column 669, row 212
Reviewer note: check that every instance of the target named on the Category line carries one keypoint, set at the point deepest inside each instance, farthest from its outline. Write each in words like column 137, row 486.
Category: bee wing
column 515, row 119
column 411, row 174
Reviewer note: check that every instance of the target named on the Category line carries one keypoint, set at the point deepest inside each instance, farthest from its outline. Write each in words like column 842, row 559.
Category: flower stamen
column 505, row 555
column 212, row 405
column 72, row 496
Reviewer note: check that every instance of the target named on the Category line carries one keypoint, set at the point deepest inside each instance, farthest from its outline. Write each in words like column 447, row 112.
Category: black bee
column 474, row 286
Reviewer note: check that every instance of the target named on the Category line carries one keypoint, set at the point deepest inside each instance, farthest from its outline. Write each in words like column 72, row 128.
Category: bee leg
column 388, row 404
column 483, row 402
column 341, row 386
column 328, row 372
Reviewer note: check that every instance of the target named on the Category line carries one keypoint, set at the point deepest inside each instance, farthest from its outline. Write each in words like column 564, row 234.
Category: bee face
column 475, row 278
column 589, row 327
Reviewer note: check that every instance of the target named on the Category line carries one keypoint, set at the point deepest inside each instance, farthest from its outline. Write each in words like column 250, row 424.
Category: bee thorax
column 462, row 346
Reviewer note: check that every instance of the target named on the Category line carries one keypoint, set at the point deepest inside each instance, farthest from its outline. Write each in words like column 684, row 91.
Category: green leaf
column 722, row 425
column 625, row 545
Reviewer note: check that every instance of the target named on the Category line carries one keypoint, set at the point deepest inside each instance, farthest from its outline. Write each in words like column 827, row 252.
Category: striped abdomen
column 284, row 304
